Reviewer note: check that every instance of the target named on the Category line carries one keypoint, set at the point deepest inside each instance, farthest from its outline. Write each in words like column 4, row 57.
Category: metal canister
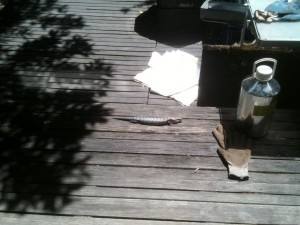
column 258, row 98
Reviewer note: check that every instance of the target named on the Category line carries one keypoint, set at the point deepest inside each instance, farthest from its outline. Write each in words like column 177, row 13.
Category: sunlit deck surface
column 67, row 69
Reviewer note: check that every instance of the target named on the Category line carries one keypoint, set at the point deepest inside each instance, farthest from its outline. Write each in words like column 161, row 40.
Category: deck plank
column 190, row 211
column 32, row 219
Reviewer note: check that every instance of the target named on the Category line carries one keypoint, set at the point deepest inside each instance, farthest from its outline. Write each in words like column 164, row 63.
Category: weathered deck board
column 78, row 220
column 151, row 160
column 190, row 211
column 173, row 194
column 67, row 70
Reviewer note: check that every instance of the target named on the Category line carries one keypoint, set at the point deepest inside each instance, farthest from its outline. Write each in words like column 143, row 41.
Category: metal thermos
column 258, row 98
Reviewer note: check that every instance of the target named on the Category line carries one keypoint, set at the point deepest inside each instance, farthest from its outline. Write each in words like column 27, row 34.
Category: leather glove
column 235, row 149
column 264, row 16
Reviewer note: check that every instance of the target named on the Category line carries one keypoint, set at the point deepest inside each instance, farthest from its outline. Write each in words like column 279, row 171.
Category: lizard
column 151, row 120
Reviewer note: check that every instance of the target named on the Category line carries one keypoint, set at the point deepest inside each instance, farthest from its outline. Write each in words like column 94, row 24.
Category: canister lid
column 264, row 73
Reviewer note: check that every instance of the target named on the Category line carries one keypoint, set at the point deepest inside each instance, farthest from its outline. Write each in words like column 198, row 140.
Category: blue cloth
column 286, row 10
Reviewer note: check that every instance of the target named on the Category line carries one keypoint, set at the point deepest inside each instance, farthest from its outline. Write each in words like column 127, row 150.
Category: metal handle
column 265, row 60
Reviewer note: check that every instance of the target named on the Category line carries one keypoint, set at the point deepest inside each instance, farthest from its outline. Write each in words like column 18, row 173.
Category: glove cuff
column 238, row 172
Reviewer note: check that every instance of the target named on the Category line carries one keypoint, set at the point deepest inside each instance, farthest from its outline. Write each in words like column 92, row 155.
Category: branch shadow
column 46, row 108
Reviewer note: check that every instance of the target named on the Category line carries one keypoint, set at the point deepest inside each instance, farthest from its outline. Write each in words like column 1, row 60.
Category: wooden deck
column 67, row 69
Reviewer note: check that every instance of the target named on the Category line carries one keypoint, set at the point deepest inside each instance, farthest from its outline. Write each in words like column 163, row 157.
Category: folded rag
column 174, row 74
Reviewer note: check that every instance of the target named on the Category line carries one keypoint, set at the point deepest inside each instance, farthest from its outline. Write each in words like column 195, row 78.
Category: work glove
column 235, row 149
column 264, row 16
column 268, row 17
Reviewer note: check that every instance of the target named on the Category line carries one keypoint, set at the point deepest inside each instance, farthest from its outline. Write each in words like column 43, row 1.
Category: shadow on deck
column 36, row 120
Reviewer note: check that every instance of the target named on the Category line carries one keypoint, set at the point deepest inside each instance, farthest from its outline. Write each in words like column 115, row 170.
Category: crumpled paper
column 174, row 74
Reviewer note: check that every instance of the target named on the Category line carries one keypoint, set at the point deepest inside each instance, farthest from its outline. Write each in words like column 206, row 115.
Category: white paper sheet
column 174, row 74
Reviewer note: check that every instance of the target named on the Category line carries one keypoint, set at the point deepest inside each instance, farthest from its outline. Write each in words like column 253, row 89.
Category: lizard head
column 174, row 120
